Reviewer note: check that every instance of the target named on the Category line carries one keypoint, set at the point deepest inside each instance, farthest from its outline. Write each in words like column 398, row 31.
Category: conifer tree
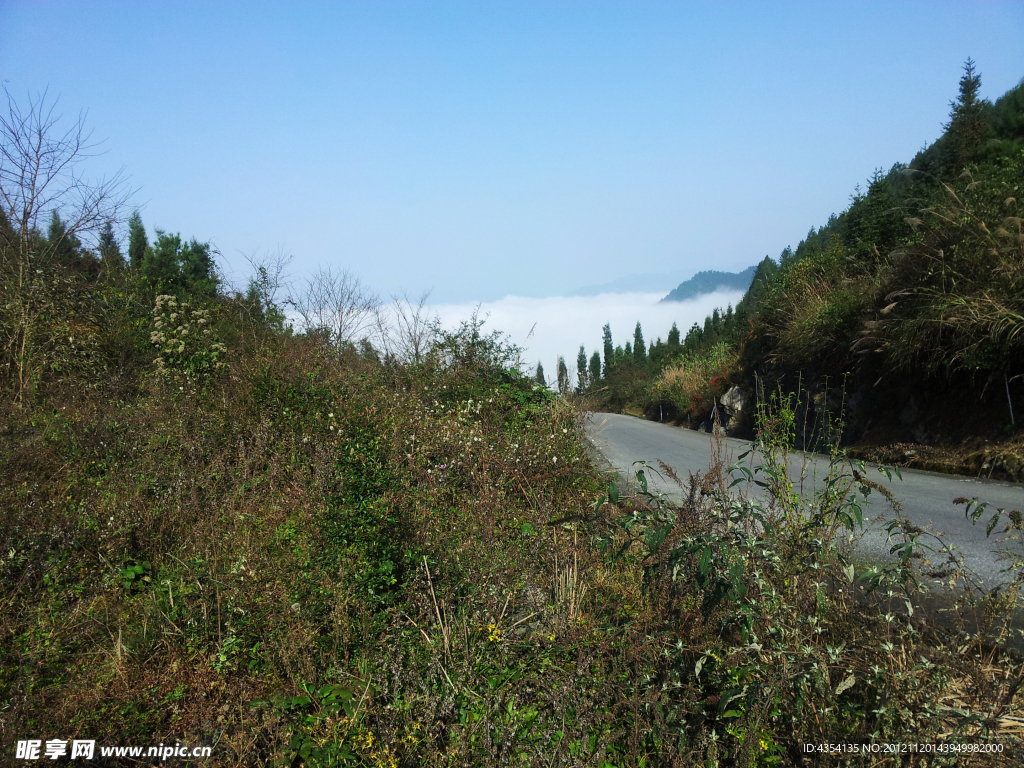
column 563, row 376
column 172, row 264
column 967, row 125
column 673, row 336
column 110, row 251
column 62, row 246
column 539, row 376
column 595, row 368
column 197, row 267
column 137, row 243
column 581, row 368
column 639, row 348
column 160, row 264
column 729, row 325
column 609, row 350
column 694, row 336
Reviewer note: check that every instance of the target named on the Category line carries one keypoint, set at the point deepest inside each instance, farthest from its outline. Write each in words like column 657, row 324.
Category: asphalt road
column 927, row 497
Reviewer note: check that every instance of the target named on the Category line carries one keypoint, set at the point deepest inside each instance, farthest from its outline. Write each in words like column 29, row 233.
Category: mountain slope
column 710, row 281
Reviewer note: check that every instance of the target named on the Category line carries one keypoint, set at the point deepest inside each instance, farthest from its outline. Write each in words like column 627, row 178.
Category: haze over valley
column 549, row 327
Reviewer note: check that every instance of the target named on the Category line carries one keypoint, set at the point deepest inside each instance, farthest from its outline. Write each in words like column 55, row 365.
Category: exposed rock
column 736, row 407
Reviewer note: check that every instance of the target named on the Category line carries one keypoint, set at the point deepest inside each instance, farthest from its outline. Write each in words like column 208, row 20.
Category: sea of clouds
column 557, row 325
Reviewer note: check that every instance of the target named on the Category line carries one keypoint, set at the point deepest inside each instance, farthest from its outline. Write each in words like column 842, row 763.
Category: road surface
column 927, row 497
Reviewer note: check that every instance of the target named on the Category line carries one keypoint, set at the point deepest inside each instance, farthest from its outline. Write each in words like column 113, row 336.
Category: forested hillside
column 904, row 312
column 710, row 281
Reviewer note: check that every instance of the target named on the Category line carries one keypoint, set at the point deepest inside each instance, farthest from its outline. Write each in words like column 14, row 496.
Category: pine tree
column 967, row 125
column 197, row 267
column 539, row 376
column 673, row 336
column 137, row 242
column 161, row 263
column 694, row 337
column 171, row 264
column 563, row 376
column 61, row 245
column 595, row 368
column 581, row 369
column 110, row 251
column 729, row 325
column 639, row 348
column 609, row 350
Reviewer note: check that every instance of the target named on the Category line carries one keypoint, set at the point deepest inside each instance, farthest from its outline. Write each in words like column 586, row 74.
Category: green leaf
column 992, row 522
column 705, row 561
column 656, row 537
column 641, row 478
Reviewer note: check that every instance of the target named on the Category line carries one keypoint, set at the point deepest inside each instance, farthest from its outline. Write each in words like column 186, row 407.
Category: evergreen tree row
column 169, row 263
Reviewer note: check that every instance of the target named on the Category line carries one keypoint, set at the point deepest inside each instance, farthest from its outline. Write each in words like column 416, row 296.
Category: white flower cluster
column 184, row 339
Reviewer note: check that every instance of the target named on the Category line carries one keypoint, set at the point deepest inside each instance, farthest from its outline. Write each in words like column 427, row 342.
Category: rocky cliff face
column 738, row 412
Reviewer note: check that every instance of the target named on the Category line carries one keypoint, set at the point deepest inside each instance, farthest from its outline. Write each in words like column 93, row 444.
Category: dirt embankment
column 978, row 458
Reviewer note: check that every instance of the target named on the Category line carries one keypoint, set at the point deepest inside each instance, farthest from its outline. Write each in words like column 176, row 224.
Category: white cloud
column 560, row 324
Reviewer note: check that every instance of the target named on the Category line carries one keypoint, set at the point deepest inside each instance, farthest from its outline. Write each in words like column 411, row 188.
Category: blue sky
column 485, row 149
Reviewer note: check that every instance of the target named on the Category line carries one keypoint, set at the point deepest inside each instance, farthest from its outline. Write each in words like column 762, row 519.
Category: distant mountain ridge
column 710, row 281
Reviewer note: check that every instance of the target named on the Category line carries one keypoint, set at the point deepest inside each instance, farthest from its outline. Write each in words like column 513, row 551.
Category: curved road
column 927, row 497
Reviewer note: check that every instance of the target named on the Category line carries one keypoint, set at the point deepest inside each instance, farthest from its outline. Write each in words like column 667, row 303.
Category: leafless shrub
column 337, row 306
column 406, row 328
column 269, row 275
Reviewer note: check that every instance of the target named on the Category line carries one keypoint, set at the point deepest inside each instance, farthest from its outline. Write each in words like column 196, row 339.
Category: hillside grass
column 303, row 555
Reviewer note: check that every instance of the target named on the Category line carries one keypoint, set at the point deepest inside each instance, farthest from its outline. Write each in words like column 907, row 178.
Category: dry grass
column 693, row 383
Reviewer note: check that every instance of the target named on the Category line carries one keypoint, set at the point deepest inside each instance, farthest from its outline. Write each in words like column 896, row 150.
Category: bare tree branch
column 406, row 328
column 338, row 306
column 269, row 274
column 40, row 174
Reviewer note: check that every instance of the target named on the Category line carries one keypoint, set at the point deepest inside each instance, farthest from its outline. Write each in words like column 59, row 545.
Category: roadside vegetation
column 328, row 546
column 907, row 307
